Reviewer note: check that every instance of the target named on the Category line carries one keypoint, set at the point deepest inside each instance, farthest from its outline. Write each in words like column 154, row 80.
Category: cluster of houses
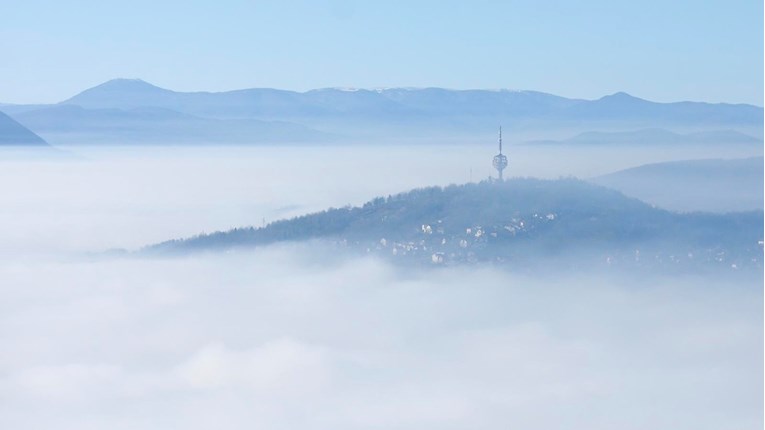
column 434, row 243
column 439, row 245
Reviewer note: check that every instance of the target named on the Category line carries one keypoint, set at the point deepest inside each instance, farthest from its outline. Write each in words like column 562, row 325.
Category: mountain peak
column 131, row 92
column 621, row 96
column 123, row 84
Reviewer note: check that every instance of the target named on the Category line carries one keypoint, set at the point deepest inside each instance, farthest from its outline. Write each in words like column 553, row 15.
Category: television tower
column 500, row 160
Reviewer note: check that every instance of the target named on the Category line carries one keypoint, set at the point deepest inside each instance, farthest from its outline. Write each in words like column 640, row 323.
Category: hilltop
column 520, row 223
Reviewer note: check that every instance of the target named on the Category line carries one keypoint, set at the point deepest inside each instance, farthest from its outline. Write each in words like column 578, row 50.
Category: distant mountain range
column 694, row 185
column 654, row 136
column 522, row 223
column 136, row 109
column 14, row 134
column 402, row 103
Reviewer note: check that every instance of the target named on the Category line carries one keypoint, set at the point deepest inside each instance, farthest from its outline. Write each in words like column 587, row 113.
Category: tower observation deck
column 500, row 160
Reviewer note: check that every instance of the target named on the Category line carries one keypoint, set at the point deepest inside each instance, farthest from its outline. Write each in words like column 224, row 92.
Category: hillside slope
column 519, row 222
column 12, row 133
column 714, row 185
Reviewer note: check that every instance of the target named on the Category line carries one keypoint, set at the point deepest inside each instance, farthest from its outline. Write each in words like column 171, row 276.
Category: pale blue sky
column 659, row 50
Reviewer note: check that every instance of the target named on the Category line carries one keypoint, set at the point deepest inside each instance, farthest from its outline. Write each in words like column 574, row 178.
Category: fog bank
column 291, row 336
column 284, row 338
column 123, row 197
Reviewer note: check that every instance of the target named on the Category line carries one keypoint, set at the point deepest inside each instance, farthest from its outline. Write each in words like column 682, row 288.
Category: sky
column 663, row 51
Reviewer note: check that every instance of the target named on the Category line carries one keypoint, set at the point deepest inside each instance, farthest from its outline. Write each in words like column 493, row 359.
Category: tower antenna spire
column 500, row 139
column 500, row 160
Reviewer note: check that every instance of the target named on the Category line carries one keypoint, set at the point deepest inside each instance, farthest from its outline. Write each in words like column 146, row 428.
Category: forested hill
column 520, row 221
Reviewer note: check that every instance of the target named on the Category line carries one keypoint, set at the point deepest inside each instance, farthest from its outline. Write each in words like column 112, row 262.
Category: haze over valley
column 256, row 304
column 394, row 215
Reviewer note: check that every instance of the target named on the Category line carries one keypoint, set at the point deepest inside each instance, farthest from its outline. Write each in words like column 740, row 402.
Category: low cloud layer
column 120, row 197
column 292, row 337
column 285, row 338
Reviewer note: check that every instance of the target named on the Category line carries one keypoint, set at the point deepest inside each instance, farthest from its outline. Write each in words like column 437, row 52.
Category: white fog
column 127, row 197
column 391, row 215
column 291, row 336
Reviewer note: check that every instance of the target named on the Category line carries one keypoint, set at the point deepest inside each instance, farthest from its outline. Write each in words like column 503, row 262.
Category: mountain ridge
column 268, row 101
column 378, row 114
column 121, row 83
column 652, row 136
